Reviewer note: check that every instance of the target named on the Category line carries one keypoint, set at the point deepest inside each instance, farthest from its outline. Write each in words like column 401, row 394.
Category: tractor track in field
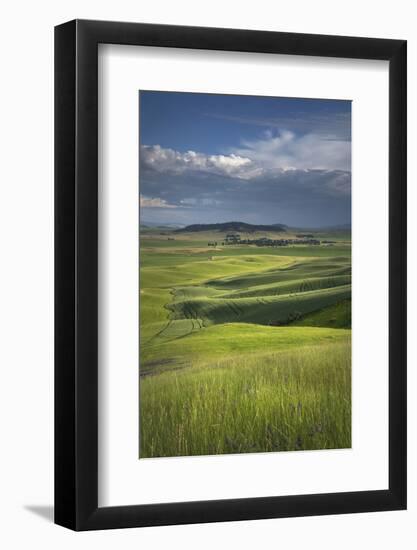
column 189, row 311
column 196, row 323
column 158, row 334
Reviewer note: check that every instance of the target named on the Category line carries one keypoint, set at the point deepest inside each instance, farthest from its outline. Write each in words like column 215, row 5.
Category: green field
column 243, row 348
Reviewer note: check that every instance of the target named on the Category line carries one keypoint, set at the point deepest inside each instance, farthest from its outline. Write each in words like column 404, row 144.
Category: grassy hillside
column 289, row 400
column 264, row 310
column 256, row 336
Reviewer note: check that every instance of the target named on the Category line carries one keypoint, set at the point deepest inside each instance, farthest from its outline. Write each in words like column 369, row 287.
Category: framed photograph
column 230, row 247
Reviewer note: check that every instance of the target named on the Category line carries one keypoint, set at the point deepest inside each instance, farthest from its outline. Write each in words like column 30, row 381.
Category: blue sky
column 210, row 158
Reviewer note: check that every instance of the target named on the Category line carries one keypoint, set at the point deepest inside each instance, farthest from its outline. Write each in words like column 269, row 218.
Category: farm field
column 243, row 348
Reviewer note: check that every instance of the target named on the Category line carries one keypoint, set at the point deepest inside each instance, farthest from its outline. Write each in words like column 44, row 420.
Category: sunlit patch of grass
column 219, row 342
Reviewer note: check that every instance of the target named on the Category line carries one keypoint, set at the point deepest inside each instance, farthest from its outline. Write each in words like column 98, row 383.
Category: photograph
column 245, row 274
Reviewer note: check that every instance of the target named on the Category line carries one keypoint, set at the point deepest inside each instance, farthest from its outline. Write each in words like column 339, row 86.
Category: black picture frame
column 76, row 272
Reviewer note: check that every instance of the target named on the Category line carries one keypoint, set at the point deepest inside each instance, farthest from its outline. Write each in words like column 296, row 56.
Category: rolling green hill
column 248, row 333
column 265, row 310
column 231, row 226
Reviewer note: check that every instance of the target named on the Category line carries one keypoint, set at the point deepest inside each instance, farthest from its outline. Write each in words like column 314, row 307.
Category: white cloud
column 271, row 155
column 204, row 201
column 168, row 160
column 286, row 151
column 146, row 202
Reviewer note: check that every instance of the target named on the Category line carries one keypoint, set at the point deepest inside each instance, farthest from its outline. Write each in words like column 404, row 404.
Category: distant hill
column 230, row 227
column 146, row 224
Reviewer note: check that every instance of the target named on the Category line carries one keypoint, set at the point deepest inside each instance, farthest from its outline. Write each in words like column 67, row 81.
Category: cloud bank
column 282, row 178
column 168, row 160
column 252, row 160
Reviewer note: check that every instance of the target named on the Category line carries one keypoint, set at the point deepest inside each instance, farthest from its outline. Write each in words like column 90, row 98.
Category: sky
column 208, row 158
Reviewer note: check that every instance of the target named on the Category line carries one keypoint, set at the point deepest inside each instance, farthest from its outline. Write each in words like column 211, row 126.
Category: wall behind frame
column 26, row 289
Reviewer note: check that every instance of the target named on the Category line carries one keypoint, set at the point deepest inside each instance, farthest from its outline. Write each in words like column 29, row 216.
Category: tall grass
column 282, row 401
